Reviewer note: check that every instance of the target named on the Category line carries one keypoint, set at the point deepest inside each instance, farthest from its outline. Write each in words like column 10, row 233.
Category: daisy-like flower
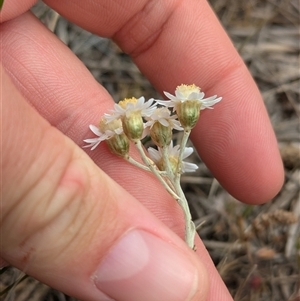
column 128, row 106
column 187, row 102
column 157, row 158
column 160, row 125
column 189, row 92
column 164, row 117
column 131, row 111
column 104, row 132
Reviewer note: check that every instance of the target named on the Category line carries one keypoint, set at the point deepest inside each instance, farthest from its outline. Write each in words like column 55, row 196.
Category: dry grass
column 255, row 248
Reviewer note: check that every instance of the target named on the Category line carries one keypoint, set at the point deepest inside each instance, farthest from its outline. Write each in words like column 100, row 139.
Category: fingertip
column 14, row 8
column 251, row 171
column 237, row 142
column 267, row 185
column 158, row 272
column 270, row 179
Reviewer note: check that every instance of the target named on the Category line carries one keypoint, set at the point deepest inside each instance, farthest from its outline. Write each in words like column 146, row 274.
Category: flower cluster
column 132, row 119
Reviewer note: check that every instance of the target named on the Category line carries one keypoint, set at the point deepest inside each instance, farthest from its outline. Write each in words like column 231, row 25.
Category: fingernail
column 141, row 266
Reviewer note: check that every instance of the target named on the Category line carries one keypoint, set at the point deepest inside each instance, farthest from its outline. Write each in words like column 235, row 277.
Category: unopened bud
column 133, row 126
column 161, row 135
column 188, row 113
column 119, row 144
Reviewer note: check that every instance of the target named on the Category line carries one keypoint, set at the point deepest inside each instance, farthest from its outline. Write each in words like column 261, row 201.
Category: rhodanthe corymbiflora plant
column 133, row 119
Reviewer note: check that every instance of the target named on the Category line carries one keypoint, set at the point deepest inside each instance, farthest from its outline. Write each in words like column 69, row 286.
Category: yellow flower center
column 123, row 103
column 186, row 90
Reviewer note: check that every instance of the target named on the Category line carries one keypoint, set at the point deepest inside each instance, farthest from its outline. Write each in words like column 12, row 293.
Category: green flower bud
column 119, row 144
column 133, row 126
column 161, row 135
column 188, row 113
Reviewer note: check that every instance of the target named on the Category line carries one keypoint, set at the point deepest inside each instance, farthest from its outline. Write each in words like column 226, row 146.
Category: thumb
column 65, row 222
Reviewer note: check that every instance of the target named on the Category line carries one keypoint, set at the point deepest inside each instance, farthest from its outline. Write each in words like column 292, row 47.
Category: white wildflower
column 105, row 131
column 157, row 158
column 188, row 101
column 131, row 112
column 132, row 105
column 189, row 92
column 164, row 117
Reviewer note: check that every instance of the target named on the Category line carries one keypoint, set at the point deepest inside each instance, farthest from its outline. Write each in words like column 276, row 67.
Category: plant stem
column 183, row 143
column 154, row 169
column 165, row 155
column 173, row 181
column 190, row 229
column 136, row 163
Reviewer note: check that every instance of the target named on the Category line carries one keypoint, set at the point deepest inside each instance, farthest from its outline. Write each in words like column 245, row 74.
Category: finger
column 71, row 226
column 11, row 9
column 58, row 96
column 176, row 42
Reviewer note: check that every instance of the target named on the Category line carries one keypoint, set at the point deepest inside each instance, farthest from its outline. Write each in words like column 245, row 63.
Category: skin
column 49, row 99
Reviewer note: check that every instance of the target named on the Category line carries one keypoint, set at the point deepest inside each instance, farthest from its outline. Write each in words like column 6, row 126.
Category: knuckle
column 145, row 27
column 52, row 206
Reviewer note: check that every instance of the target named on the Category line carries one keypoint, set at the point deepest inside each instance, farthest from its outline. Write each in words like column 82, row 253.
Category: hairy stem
column 136, row 163
column 154, row 169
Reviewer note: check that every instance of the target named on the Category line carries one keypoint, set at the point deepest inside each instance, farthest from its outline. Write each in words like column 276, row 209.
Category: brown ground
column 256, row 248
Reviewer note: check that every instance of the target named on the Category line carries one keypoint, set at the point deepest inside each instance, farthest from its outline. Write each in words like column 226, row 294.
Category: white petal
column 96, row 145
column 90, row 141
column 166, row 103
column 148, row 103
column 163, row 122
column 176, row 125
column 148, row 112
column 180, row 95
column 166, row 114
column 148, row 123
column 95, row 130
column 189, row 167
column 170, row 96
column 118, row 109
column 131, row 106
column 209, row 102
column 111, row 117
column 140, row 102
column 173, row 117
column 93, row 143
column 154, row 154
column 174, row 151
column 196, row 95
column 187, row 152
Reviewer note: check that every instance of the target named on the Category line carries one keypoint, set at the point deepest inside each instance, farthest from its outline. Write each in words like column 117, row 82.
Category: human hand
column 62, row 214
